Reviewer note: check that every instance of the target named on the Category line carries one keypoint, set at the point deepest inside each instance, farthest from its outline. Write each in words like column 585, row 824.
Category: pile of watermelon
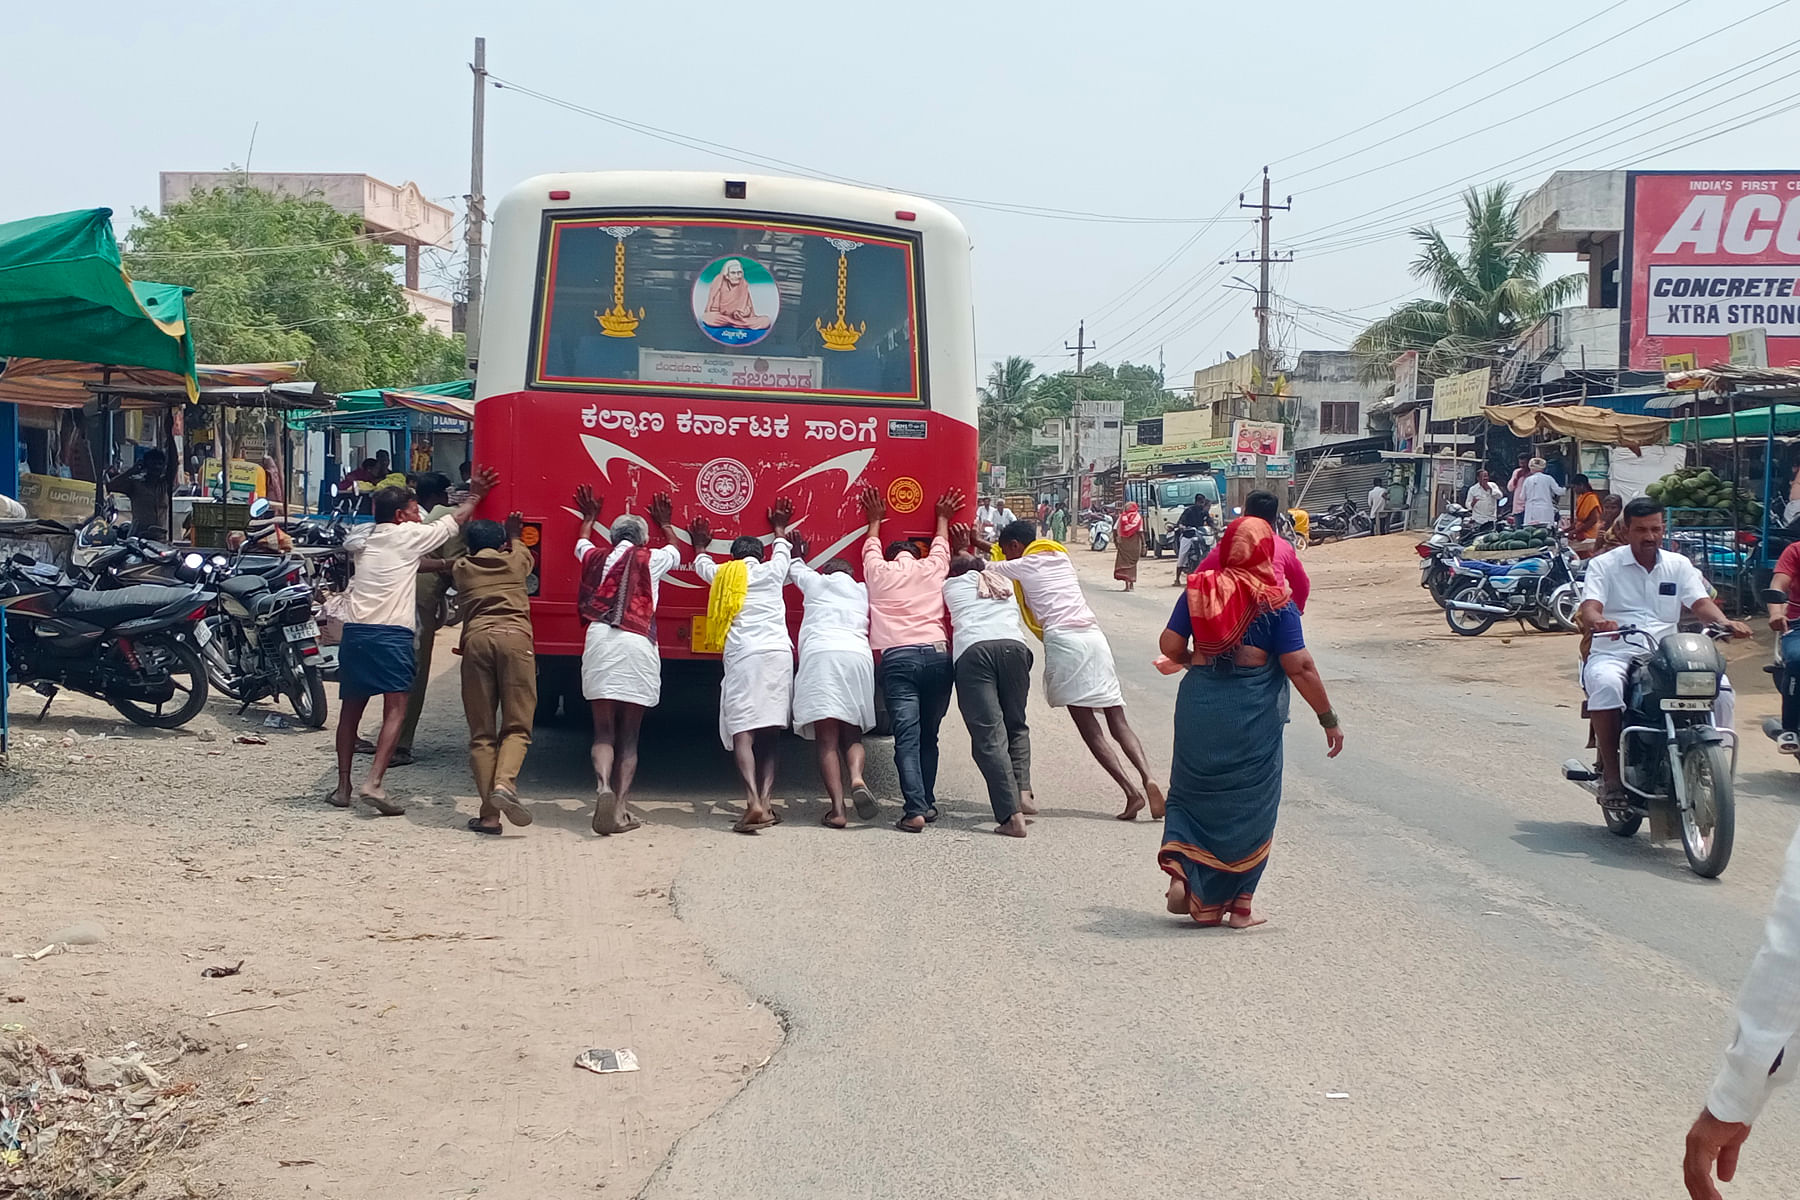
column 1532, row 539
column 1699, row 488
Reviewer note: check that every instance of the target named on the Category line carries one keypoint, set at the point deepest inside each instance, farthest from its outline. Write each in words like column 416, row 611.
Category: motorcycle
column 1776, row 599
column 1442, row 552
column 1100, row 533
column 1195, row 545
column 1341, row 520
column 1544, row 591
column 1672, row 755
column 131, row 647
column 262, row 640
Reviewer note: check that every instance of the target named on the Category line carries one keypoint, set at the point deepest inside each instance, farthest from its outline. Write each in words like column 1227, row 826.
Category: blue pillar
column 9, row 450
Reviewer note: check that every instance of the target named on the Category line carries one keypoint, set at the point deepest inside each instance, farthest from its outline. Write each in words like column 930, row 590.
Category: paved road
column 1517, row 1003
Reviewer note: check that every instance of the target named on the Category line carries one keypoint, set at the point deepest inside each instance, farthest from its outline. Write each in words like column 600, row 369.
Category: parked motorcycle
column 1341, row 520
column 262, row 640
column 1673, row 757
column 131, row 647
column 1100, row 531
column 1544, row 591
column 1442, row 552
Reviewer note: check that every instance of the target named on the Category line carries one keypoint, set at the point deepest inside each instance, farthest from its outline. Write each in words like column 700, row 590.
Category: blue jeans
column 1790, row 692
column 916, row 682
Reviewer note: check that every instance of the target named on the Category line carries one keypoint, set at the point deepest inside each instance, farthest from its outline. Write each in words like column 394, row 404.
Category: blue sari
column 1225, row 786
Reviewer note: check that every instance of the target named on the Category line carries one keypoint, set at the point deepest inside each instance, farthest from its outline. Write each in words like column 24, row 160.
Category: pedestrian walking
column 621, row 671
column 1539, row 494
column 499, row 668
column 834, row 688
column 376, row 654
column 746, row 618
column 1079, row 674
column 1238, row 633
column 906, row 627
column 1059, row 522
column 1129, row 545
column 993, row 682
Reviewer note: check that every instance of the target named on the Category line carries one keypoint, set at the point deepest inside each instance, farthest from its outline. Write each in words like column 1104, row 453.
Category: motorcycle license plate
column 300, row 633
column 202, row 633
column 1686, row 705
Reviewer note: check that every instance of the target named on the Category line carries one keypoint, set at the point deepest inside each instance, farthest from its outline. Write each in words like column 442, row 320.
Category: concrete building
column 1330, row 404
column 397, row 215
column 1219, row 391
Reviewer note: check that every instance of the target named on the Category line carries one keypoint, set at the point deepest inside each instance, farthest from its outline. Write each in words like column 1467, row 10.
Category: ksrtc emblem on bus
column 725, row 487
column 905, row 495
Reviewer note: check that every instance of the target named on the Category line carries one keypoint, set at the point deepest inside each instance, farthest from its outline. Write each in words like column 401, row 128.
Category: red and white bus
column 728, row 340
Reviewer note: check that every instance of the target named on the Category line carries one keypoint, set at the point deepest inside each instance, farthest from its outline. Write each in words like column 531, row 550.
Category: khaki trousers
column 427, row 618
column 499, row 670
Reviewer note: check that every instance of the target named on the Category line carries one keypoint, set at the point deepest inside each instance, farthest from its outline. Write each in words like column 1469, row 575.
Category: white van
column 1161, row 499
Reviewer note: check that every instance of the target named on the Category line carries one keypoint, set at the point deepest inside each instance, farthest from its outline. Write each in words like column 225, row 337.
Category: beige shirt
column 429, row 589
column 383, row 590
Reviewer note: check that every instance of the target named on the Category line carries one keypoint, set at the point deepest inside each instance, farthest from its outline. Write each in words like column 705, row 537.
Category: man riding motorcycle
column 1643, row 586
column 1781, row 619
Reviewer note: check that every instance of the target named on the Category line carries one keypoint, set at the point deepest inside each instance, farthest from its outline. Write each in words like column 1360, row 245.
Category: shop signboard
column 1706, row 256
column 1459, row 396
column 1257, row 437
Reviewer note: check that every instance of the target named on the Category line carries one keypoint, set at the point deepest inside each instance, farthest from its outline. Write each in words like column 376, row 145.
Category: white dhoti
column 616, row 665
column 1079, row 671
column 1603, row 679
column 834, row 685
column 1540, row 512
column 757, row 692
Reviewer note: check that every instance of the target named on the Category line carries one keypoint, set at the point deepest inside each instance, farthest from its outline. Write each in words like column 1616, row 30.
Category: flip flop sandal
column 475, row 826
column 332, row 799
column 402, row 758
column 507, row 801
column 630, row 824
column 932, row 814
column 864, row 800
column 365, row 746
column 747, row 827
column 903, row 827
column 831, row 822
column 382, row 805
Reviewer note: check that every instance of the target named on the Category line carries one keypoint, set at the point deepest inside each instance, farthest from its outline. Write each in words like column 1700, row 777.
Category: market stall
column 425, row 428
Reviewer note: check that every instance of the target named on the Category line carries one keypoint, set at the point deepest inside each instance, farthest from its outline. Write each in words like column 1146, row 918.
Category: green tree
column 1485, row 297
column 278, row 278
column 1008, row 413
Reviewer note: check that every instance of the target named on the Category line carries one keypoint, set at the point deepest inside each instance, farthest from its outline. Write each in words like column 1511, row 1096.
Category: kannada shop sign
column 1706, row 256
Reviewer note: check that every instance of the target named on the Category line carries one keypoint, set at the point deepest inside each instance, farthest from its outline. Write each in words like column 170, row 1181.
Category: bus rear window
column 692, row 304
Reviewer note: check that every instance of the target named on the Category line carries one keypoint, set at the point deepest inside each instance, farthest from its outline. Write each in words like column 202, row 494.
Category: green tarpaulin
column 371, row 398
column 64, row 294
column 1751, row 423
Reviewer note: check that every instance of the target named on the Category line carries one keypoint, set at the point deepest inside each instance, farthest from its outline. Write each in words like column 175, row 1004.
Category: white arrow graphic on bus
column 852, row 465
column 603, row 453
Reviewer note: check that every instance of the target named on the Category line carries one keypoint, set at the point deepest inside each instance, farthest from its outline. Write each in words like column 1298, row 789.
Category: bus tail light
column 903, row 215
column 532, row 535
column 559, row 193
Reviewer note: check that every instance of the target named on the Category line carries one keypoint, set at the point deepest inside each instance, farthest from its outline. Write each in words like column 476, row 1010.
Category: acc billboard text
column 1707, row 255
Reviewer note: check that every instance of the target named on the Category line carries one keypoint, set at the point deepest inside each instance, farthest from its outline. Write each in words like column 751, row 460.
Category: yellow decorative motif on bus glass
column 841, row 336
column 619, row 321
column 905, row 495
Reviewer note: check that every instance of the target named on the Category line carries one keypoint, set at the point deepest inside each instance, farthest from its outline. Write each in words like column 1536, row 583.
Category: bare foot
column 1013, row 827
column 835, row 819
column 1158, row 803
column 1247, row 920
column 1134, row 804
column 1028, row 804
column 1177, row 897
column 376, row 797
column 341, row 798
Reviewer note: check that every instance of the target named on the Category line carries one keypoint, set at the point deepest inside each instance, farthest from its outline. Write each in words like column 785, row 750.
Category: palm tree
column 1486, row 296
column 1008, row 405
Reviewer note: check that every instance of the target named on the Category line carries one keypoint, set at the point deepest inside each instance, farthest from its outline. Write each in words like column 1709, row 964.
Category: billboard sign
column 1459, row 396
column 1707, row 256
column 1257, row 437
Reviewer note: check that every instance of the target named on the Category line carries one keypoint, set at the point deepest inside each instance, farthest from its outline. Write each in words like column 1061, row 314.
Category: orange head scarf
column 1224, row 601
column 1131, row 522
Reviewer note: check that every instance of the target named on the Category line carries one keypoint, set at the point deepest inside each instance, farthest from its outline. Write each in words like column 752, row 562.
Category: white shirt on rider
column 1651, row 600
column 1484, row 502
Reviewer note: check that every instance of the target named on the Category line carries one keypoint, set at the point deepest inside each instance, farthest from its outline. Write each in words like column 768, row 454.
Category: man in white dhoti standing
column 834, row 689
column 1078, row 663
column 621, row 671
column 746, row 617
column 1539, row 494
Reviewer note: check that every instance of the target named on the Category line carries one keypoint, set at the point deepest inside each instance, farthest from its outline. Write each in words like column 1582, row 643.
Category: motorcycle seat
column 122, row 604
column 241, row 586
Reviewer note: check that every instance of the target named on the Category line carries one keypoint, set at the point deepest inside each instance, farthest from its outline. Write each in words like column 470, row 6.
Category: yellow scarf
column 731, row 583
column 1040, row 546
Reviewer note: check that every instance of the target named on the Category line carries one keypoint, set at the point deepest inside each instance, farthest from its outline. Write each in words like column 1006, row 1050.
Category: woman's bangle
column 1328, row 719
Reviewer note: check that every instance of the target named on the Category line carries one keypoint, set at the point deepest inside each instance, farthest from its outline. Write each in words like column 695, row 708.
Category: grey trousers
column 993, row 681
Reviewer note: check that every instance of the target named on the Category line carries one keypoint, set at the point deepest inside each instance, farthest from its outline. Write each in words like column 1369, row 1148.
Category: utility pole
column 1081, row 347
column 477, row 212
column 1263, row 259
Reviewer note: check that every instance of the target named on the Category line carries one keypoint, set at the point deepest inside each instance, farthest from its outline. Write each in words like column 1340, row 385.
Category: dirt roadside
column 413, row 997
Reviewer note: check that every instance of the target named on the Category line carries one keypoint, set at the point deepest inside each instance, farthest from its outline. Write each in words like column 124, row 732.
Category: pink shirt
column 1287, row 569
column 906, row 596
column 1052, row 589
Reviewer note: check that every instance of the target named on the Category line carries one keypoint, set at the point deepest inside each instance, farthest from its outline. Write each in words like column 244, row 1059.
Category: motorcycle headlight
column 1696, row 683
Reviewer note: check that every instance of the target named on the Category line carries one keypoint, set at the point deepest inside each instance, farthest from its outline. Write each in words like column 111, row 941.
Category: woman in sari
column 1238, row 634
column 1585, row 519
column 1612, row 529
column 1129, row 546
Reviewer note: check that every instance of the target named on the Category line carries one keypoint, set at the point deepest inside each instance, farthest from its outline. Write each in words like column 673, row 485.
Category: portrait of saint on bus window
column 721, row 305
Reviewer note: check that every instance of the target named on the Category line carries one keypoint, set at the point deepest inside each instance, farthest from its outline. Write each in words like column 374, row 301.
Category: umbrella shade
column 376, row 398
column 64, row 294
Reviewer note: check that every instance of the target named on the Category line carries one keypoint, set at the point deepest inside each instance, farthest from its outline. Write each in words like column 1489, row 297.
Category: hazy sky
column 1141, row 108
